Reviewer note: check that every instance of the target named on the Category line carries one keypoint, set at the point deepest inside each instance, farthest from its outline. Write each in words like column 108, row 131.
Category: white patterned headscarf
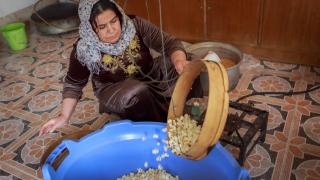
column 89, row 47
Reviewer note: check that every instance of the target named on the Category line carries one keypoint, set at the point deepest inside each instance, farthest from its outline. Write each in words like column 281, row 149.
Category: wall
column 10, row 6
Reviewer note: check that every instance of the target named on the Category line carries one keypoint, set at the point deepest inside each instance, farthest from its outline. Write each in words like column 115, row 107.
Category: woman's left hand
column 180, row 64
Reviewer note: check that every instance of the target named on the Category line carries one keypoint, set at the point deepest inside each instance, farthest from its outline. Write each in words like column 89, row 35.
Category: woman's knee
column 132, row 95
column 134, row 106
column 137, row 96
column 123, row 96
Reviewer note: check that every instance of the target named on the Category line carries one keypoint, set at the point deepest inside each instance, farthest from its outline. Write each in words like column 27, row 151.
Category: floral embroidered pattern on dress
column 126, row 61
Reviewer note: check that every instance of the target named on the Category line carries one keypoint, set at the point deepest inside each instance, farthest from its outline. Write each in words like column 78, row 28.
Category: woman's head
column 104, row 29
column 106, row 20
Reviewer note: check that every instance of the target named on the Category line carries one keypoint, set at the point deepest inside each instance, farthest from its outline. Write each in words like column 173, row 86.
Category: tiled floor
column 30, row 93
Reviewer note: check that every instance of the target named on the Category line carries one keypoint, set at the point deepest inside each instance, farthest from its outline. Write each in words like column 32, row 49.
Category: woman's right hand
column 53, row 124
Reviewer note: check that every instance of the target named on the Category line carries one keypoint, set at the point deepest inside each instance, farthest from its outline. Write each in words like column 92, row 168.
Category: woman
column 114, row 49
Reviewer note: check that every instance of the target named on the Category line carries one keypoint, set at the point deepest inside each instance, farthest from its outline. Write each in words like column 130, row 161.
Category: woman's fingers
column 51, row 125
column 46, row 128
column 181, row 66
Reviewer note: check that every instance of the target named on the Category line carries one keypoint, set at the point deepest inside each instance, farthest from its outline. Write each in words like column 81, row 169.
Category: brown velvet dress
column 140, row 96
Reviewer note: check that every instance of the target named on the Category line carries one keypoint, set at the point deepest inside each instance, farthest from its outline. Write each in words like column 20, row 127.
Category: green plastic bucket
column 15, row 35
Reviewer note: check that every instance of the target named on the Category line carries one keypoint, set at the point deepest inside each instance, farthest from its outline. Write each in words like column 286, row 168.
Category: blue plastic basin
column 124, row 146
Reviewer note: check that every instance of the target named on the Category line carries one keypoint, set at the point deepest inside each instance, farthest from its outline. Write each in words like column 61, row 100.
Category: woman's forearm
column 68, row 106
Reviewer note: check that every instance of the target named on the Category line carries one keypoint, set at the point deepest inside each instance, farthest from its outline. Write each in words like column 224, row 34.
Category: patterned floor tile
column 14, row 91
column 44, row 102
column 259, row 162
column 87, row 110
column 271, row 84
column 279, row 66
column 10, row 130
column 315, row 96
column 312, row 128
column 46, row 46
column 306, row 169
column 18, row 64
column 33, row 149
column 48, row 70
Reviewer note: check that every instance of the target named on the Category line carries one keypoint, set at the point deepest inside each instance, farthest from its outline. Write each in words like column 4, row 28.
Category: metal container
column 57, row 18
column 224, row 51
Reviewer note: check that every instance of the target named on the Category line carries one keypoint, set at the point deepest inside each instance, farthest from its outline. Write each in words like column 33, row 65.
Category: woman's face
column 108, row 27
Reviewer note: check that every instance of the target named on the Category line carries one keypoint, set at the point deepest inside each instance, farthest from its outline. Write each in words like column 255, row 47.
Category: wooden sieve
column 217, row 109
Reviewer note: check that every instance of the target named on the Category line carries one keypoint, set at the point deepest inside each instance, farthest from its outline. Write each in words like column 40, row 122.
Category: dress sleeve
column 151, row 35
column 76, row 78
